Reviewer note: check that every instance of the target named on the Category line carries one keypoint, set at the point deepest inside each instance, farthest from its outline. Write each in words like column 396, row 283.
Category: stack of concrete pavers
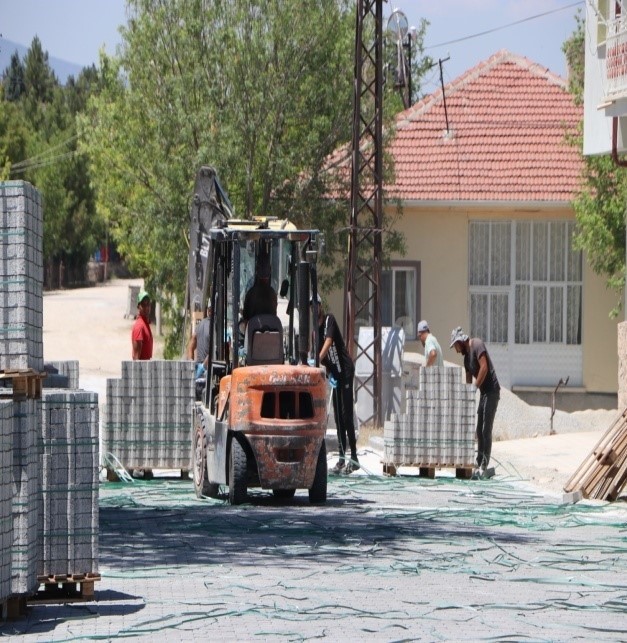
column 437, row 428
column 148, row 415
column 68, row 368
column 26, row 419
column 56, row 458
column 6, row 497
column 21, row 275
column 68, row 528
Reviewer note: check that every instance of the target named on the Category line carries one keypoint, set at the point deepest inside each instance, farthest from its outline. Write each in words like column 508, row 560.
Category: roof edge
column 474, row 205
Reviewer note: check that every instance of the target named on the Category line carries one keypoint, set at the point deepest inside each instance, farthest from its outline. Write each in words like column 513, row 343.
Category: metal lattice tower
column 363, row 277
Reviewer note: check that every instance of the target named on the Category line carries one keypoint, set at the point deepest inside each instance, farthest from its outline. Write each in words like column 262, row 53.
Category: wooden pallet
column 428, row 470
column 14, row 607
column 63, row 588
column 26, row 383
column 603, row 474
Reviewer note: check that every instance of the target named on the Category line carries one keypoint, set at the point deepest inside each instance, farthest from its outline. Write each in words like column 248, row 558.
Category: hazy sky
column 74, row 30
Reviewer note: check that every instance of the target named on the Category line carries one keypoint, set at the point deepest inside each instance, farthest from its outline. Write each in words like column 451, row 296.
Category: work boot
column 353, row 465
column 338, row 468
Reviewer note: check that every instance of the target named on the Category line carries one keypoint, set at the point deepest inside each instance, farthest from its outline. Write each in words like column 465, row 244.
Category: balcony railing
column 616, row 59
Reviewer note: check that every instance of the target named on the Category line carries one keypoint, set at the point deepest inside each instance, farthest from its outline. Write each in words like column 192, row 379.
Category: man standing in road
column 335, row 357
column 141, row 335
column 477, row 364
column 433, row 352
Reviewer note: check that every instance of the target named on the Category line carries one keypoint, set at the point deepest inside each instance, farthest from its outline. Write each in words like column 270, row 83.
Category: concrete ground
column 386, row 559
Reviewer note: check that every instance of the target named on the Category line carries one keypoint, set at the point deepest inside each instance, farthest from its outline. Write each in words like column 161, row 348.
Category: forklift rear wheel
column 237, row 473
column 318, row 490
column 283, row 494
column 202, row 486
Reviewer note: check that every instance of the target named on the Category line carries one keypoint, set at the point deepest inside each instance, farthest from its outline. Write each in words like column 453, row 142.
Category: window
column 548, row 297
column 532, row 265
column 399, row 297
column 490, row 279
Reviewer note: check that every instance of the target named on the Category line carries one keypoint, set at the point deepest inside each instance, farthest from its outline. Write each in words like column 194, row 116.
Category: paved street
column 387, row 559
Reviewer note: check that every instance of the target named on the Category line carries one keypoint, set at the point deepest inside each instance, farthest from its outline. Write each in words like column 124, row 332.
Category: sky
column 75, row 30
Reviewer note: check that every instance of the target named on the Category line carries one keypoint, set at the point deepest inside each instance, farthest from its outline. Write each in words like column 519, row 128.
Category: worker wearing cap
column 433, row 352
column 334, row 356
column 477, row 364
column 141, row 335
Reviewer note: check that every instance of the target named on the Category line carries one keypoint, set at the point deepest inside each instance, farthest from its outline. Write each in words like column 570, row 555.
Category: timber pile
column 603, row 474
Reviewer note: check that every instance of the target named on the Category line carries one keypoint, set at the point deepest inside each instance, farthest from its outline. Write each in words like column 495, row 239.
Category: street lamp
column 403, row 37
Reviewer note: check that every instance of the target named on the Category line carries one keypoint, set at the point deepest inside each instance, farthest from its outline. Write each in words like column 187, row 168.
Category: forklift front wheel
column 237, row 473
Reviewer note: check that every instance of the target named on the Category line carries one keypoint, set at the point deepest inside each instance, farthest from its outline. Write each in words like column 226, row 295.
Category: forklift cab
column 239, row 252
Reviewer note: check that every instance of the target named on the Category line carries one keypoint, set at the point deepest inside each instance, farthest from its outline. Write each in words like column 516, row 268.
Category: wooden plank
column 389, row 469
column 15, row 607
column 588, row 475
column 617, row 484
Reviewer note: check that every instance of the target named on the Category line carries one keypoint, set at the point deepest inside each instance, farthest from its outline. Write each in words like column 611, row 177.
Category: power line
column 41, row 163
column 41, row 158
column 510, row 24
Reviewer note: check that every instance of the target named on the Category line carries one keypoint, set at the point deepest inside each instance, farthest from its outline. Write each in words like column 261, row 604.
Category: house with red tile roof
column 486, row 176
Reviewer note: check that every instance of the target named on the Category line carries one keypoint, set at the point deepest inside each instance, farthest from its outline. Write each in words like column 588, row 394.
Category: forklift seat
column 264, row 339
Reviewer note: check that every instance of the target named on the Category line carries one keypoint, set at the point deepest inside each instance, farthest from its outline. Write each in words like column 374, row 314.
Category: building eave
column 473, row 204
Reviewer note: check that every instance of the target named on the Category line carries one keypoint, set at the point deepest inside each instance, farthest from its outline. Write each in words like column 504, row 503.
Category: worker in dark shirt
column 261, row 297
column 334, row 356
column 478, row 365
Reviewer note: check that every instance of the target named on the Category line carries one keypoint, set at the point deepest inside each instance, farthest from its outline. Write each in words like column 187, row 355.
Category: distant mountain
column 61, row 68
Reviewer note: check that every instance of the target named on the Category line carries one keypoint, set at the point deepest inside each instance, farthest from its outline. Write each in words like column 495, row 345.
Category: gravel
column 517, row 419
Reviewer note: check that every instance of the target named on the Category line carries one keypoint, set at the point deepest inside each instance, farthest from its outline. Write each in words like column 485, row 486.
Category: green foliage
column 38, row 143
column 14, row 85
column 257, row 89
column 260, row 89
column 574, row 50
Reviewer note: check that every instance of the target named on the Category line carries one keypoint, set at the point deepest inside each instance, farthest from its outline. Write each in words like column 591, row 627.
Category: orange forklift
column 261, row 416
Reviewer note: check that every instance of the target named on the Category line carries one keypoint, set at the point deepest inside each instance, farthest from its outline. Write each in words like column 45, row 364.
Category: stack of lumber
column 603, row 474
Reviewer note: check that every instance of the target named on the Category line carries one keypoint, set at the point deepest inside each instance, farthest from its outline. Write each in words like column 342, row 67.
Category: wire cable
column 506, row 26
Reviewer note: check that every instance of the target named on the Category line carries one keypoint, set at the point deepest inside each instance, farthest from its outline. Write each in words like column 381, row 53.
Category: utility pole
column 363, row 279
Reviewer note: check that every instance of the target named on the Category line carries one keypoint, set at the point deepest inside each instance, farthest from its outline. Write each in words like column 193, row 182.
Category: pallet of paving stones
column 25, row 383
column 65, row 588
column 603, row 474
column 463, row 472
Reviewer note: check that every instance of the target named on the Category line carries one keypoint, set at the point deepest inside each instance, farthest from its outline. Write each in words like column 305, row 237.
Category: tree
column 39, row 81
column 260, row 89
column 600, row 205
column 14, row 85
column 38, row 143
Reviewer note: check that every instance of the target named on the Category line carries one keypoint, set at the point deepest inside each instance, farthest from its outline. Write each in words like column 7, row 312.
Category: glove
column 333, row 382
column 311, row 361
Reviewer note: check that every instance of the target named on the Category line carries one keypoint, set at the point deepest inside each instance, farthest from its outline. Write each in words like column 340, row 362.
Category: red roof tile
column 508, row 121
